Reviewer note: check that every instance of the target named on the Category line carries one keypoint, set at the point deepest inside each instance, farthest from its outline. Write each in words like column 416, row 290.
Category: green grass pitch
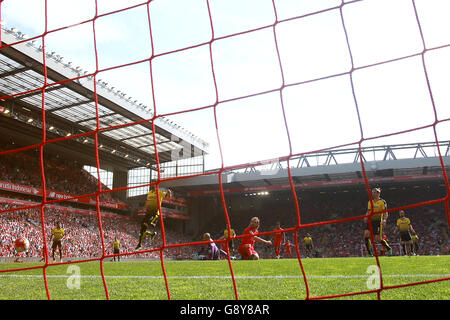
column 211, row 280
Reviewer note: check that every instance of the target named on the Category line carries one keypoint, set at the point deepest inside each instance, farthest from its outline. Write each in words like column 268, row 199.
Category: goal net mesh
column 352, row 54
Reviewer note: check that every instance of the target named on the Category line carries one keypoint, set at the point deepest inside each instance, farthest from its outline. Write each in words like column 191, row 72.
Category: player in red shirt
column 247, row 249
column 287, row 249
column 279, row 237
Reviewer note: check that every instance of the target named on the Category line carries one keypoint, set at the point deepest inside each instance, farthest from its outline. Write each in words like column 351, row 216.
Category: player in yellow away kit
column 309, row 245
column 57, row 235
column 116, row 249
column 405, row 228
column 378, row 222
column 228, row 244
column 151, row 213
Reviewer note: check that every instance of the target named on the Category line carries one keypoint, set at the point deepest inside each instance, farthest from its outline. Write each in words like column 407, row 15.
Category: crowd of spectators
column 68, row 177
column 342, row 239
column 82, row 236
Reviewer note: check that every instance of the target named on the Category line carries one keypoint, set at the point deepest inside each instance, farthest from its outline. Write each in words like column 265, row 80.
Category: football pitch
column 211, row 280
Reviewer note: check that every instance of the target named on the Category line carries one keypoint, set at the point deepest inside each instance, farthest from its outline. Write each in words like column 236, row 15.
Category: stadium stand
column 83, row 237
column 82, row 234
column 22, row 168
column 79, row 220
column 342, row 239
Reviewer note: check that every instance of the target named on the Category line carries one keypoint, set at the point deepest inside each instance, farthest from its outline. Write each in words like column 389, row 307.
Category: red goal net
column 266, row 72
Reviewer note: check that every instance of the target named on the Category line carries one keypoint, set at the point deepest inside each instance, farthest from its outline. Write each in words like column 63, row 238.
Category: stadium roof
column 384, row 164
column 71, row 110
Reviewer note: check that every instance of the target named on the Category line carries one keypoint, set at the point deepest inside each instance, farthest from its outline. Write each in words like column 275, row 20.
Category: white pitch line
column 229, row 277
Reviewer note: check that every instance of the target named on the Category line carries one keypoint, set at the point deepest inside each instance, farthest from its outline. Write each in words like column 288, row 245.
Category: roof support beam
column 80, row 103
column 95, row 118
column 37, row 92
column 13, row 72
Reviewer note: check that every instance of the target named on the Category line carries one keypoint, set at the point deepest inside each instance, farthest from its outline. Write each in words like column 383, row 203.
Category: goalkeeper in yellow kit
column 151, row 213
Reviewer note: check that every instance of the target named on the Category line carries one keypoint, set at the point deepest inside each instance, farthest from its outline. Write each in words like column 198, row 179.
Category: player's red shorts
column 247, row 251
column 277, row 243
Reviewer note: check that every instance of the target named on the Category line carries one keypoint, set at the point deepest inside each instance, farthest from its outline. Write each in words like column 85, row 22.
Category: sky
column 388, row 97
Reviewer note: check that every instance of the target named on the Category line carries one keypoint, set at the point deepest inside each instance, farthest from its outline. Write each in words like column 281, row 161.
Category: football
column 22, row 244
